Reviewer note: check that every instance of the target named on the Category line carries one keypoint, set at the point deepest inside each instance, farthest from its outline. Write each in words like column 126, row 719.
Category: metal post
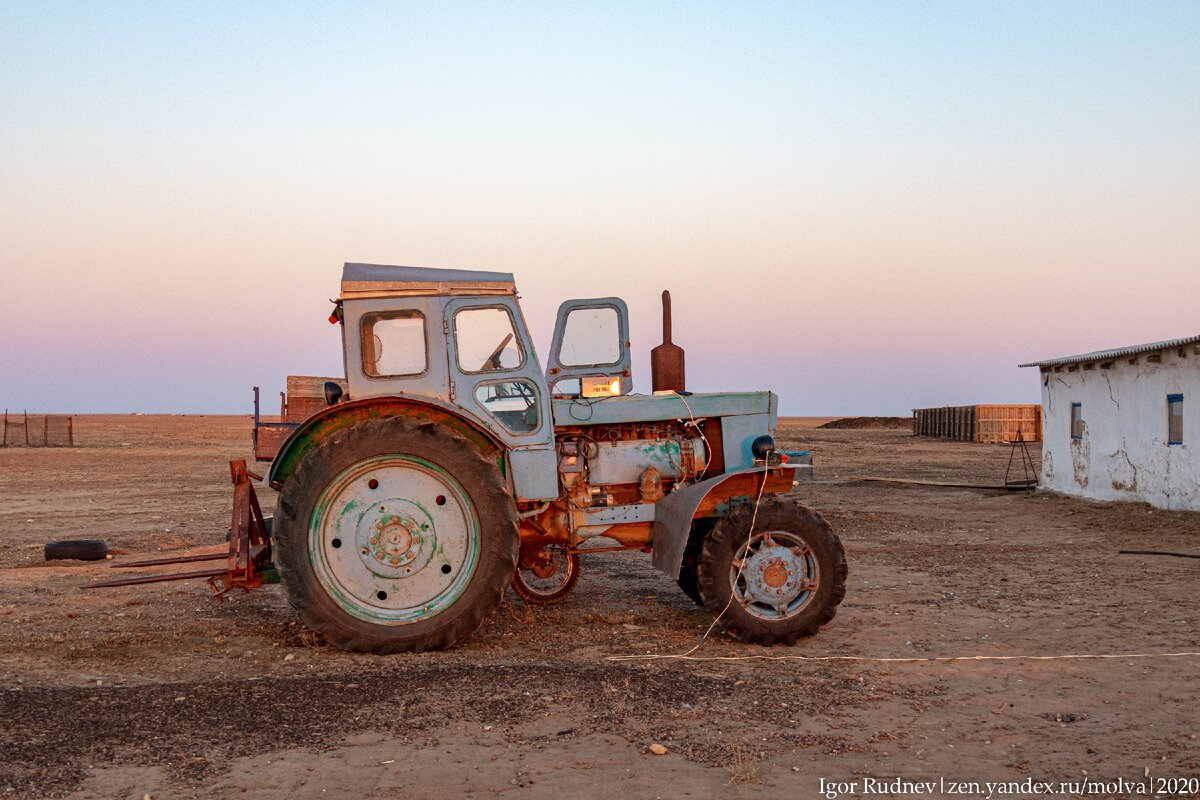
column 46, row 431
column 27, row 428
column 70, row 431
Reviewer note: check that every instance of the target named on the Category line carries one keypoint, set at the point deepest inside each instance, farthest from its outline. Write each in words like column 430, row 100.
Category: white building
column 1124, row 424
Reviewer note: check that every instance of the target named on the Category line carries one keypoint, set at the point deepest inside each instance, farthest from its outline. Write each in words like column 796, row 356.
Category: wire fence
column 39, row 430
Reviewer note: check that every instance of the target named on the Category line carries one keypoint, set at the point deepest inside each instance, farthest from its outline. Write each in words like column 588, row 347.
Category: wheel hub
column 545, row 566
column 777, row 577
column 398, row 542
column 775, row 574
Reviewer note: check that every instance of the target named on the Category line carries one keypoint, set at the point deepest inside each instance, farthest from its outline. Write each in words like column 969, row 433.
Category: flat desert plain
column 163, row 691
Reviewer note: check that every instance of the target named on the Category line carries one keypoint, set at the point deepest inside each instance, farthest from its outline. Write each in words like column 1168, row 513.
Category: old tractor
column 448, row 465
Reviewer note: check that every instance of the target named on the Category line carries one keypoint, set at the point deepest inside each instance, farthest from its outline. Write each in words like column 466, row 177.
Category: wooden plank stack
column 984, row 424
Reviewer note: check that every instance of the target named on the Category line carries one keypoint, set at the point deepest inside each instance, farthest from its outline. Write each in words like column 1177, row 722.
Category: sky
column 865, row 207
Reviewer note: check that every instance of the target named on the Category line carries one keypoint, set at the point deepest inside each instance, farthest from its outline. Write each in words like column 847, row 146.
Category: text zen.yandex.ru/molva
column 1027, row 787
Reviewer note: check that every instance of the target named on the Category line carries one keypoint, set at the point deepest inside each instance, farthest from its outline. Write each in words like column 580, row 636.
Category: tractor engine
column 628, row 463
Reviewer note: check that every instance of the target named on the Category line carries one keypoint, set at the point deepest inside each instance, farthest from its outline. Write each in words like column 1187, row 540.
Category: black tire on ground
column 689, row 580
column 485, row 490
column 79, row 549
column 728, row 537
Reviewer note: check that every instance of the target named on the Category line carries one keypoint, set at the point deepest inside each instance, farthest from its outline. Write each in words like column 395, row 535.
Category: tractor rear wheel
column 776, row 583
column 395, row 534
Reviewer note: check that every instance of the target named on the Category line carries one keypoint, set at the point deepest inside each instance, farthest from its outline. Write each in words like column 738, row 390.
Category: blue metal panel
column 644, row 408
column 616, row 515
column 738, row 433
column 534, row 473
column 434, row 382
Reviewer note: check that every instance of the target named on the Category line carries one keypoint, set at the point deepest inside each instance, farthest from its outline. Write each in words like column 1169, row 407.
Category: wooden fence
column 984, row 424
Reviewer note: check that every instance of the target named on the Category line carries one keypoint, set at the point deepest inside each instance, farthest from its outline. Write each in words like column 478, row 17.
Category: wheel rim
column 394, row 539
column 550, row 576
column 775, row 575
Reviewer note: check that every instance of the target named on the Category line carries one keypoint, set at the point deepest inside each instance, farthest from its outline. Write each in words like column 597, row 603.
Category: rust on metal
column 650, row 485
column 156, row 562
column 666, row 360
column 174, row 576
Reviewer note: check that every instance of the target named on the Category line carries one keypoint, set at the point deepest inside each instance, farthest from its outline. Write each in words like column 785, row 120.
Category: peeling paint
column 1081, row 457
column 1122, row 471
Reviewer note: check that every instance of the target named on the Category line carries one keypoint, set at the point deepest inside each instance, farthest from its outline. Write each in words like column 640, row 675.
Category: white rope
column 897, row 660
column 733, row 587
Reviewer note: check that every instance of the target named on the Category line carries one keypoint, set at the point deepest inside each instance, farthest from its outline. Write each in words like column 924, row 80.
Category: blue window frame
column 1174, row 419
column 1076, row 420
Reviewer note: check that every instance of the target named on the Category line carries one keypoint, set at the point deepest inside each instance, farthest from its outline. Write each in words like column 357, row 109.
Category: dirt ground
column 163, row 691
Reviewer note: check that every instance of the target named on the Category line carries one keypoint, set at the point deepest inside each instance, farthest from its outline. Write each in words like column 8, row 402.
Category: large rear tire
column 395, row 535
column 689, row 578
column 777, row 583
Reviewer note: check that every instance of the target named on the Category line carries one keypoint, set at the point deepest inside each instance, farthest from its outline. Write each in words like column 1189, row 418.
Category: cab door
column 589, row 354
column 495, row 376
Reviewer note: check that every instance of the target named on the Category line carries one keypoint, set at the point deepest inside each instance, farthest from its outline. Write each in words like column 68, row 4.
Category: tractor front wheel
column 395, row 534
column 549, row 577
column 689, row 577
column 776, row 583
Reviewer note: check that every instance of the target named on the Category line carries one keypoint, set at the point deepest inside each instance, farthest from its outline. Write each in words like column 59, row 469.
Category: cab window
column 486, row 340
column 591, row 337
column 513, row 403
column 393, row 344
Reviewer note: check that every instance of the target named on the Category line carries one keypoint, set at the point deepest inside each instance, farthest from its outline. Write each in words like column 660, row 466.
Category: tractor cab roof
column 382, row 280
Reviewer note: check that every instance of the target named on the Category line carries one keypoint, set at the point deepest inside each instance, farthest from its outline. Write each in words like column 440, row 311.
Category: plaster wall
column 1123, row 454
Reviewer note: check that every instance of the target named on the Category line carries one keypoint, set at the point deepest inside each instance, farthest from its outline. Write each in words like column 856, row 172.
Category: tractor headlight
column 762, row 447
column 601, row 387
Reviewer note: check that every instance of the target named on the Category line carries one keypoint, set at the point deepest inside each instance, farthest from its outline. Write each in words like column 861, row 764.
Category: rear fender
column 673, row 515
column 341, row 416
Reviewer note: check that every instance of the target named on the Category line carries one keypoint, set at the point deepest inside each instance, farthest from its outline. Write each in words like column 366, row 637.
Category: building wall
column 1123, row 453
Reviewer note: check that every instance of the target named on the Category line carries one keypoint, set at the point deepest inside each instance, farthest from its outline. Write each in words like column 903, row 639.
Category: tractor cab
column 450, row 337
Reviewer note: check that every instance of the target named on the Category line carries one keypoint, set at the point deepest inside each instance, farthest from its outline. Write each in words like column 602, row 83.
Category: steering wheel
column 493, row 361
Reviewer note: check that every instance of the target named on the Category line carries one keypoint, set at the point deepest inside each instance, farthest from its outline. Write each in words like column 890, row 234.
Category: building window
column 1174, row 419
column 1076, row 420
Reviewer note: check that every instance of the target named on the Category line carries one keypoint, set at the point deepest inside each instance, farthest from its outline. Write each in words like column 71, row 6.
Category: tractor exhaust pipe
column 666, row 360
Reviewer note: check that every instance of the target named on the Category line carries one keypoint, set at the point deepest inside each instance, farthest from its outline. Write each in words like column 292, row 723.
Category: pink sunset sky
column 864, row 207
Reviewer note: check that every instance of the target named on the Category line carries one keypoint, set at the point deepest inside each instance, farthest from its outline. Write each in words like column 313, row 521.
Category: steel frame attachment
column 248, row 560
